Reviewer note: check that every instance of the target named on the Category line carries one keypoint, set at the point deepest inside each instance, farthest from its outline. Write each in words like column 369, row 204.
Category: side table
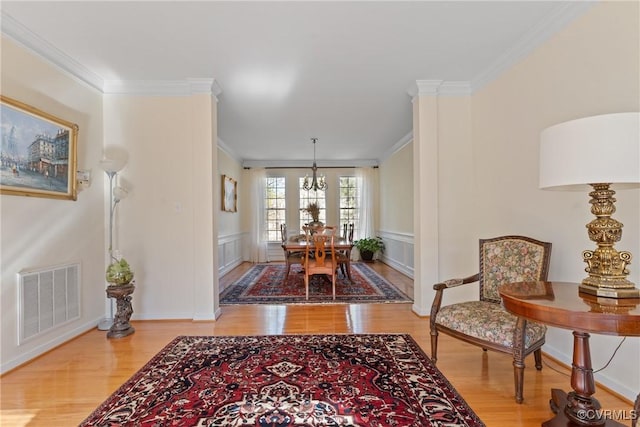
column 560, row 304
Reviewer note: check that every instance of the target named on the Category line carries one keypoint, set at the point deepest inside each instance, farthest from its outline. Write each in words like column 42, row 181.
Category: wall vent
column 48, row 298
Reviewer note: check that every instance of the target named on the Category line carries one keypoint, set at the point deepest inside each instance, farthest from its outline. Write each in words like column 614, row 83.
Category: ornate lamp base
column 121, row 326
column 606, row 266
column 607, row 292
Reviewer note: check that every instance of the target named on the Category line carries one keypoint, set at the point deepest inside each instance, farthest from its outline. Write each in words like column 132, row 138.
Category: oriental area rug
column 265, row 284
column 287, row 380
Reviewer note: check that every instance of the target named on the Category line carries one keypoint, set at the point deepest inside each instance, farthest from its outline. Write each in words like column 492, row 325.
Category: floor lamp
column 597, row 152
column 111, row 167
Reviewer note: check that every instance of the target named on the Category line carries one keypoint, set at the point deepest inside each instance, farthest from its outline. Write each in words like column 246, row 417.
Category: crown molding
column 440, row 88
column 396, row 147
column 294, row 163
column 424, row 87
column 554, row 22
column 36, row 44
column 162, row 87
column 306, row 164
column 27, row 38
column 228, row 151
column 561, row 17
column 455, row 88
column 205, row 86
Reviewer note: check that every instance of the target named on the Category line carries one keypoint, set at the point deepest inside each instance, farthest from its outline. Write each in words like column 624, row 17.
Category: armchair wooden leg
column 538, row 357
column 434, row 346
column 518, row 358
column 518, row 376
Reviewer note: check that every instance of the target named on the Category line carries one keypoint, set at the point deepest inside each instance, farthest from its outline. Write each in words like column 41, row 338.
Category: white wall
column 165, row 226
column 444, row 195
column 396, row 209
column 457, row 197
column 230, row 222
column 40, row 232
column 485, row 179
column 591, row 67
column 396, row 190
column 232, row 237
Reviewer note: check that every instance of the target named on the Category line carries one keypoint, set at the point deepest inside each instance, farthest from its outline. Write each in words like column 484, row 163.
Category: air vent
column 48, row 298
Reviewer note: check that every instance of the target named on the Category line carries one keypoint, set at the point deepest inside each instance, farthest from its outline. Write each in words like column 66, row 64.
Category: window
column 349, row 203
column 309, row 196
column 275, row 205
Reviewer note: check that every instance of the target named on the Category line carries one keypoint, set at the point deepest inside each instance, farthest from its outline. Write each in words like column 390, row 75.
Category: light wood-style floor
column 64, row 386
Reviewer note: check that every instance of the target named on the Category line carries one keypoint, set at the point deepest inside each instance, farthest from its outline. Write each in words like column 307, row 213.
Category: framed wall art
column 37, row 152
column 229, row 194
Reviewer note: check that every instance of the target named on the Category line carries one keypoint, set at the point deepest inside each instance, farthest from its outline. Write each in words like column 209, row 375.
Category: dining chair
column 344, row 256
column 320, row 256
column 290, row 257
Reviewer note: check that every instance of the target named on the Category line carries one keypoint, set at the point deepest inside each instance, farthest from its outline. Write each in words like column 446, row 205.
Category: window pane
column 275, row 205
column 349, row 203
column 309, row 196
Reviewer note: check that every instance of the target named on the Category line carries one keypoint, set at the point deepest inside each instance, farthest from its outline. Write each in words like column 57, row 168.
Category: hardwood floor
column 64, row 386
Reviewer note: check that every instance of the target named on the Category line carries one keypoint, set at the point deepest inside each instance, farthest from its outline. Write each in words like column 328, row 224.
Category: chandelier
column 317, row 182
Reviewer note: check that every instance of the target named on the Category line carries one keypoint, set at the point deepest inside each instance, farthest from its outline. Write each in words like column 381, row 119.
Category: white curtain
column 258, row 244
column 367, row 183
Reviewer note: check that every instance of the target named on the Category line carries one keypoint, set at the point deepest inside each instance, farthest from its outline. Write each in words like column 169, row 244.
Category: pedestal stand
column 578, row 407
column 121, row 326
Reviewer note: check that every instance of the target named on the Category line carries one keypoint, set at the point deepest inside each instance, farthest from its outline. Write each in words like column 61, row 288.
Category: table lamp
column 600, row 152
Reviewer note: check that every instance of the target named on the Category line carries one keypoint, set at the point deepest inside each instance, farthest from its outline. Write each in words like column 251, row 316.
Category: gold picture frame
column 229, row 194
column 38, row 154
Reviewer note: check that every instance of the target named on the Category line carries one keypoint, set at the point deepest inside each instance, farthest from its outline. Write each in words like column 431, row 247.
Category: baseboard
column 603, row 381
column 404, row 269
column 46, row 347
column 420, row 313
column 227, row 268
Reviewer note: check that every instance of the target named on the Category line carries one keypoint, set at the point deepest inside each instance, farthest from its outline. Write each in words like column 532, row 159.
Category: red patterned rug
column 287, row 380
column 264, row 284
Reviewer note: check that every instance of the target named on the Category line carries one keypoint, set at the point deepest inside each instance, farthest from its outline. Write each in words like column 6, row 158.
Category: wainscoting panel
column 398, row 251
column 275, row 252
column 230, row 252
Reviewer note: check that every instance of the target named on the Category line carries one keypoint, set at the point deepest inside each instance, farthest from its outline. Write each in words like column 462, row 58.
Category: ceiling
column 289, row 71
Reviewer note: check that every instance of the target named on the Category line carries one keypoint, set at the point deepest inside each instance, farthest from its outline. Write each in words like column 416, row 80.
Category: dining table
column 339, row 244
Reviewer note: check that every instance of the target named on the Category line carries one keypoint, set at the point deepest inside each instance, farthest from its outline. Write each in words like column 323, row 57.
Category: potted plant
column 119, row 272
column 369, row 246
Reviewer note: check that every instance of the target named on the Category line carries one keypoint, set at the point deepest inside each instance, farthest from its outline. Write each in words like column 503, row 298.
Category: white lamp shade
column 592, row 150
column 120, row 193
column 112, row 165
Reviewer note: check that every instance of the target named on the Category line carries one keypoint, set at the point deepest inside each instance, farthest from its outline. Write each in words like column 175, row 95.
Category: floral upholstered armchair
column 486, row 323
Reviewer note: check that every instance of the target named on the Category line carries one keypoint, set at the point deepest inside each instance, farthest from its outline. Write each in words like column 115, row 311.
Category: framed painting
column 37, row 153
column 229, row 194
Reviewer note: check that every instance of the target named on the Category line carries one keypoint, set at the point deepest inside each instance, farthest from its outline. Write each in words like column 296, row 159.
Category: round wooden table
column 560, row 304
